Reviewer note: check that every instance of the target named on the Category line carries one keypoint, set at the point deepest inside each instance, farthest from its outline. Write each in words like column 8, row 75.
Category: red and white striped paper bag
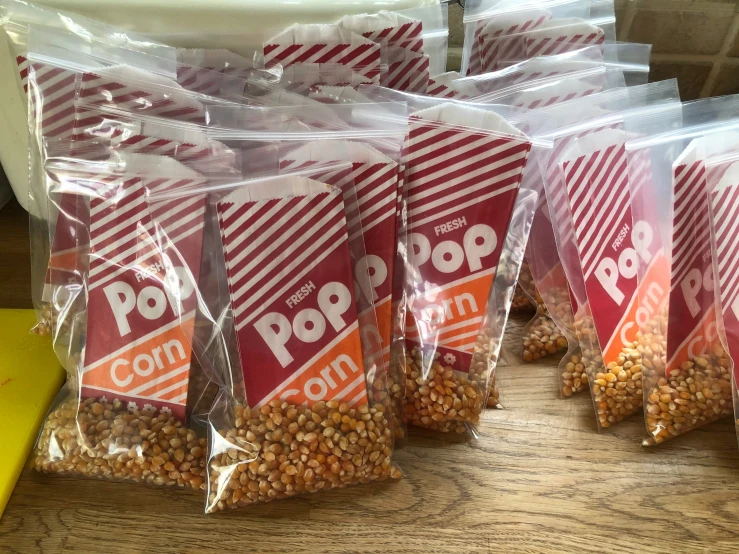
column 562, row 90
column 287, row 258
column 407, row 72
column 723, row 184
column 373, row 198
column 140, row 92
column 443, row 86
column 563, row 35
column 691, row 319
column 70, row 242
column 111, row 128
column 462, row 174
column 324, row 44
column 138, row 341
column 401, row 39
column 52, row 91
column 562, row 221
column 117, row 87
column 498, row 38
column 547, row 37
column 612, row 245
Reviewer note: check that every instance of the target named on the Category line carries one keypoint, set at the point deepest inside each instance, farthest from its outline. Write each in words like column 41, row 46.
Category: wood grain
column 540, row 479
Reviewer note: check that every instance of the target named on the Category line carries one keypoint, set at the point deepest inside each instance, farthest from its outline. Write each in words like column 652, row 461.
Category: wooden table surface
column 540, row 479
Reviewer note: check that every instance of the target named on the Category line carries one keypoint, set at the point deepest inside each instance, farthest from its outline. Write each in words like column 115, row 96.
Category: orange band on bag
column 652, row 294
column 145, row 364
column 336, row 374
column 460, row 306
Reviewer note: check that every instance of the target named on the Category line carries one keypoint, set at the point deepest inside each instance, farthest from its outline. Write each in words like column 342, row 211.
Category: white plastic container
column 186, row 23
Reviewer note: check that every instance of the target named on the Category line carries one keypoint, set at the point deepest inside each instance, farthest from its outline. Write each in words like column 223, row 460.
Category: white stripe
column 176, row 386
column 117, row 393
column 462, row 324
column 257, row 296
column 375, row 222
column 161, row 379
column 178, row 399
column 357, row 398
column 413, row 215
column 457, row 337
column 317, row 230
column 350, row 386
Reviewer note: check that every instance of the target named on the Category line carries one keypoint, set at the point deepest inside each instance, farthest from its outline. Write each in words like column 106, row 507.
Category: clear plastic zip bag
column 501, row 32
column 125, row 412
column 276, row 140
column 57, row 76
column 459, row 303
column 594, row 314
column 101, row 79
column 544, row 336
column 546, row 91
column 631, row 59
column 414, row 43
column 601, row 215
column 688, row 380
column 721, row 183
column 296, row 414
column 550, row 331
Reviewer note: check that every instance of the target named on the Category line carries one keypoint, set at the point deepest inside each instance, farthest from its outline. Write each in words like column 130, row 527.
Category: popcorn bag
column 613, row 294
column 300, row 366
column 499, row 33
column 599, row 70
column 459, row 163
column 319, row 234
column 123, row 413
column 323, row 44
column 599, row 318
column 402, row 36
column 692, row 384
column 375, row 178
column 542, row 336
column 722, row 180
column 119, row 89
column 401, row 39
column 624, row 313
column 372, row 211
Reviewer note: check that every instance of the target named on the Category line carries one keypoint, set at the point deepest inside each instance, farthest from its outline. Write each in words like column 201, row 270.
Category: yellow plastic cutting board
column 30, row 377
